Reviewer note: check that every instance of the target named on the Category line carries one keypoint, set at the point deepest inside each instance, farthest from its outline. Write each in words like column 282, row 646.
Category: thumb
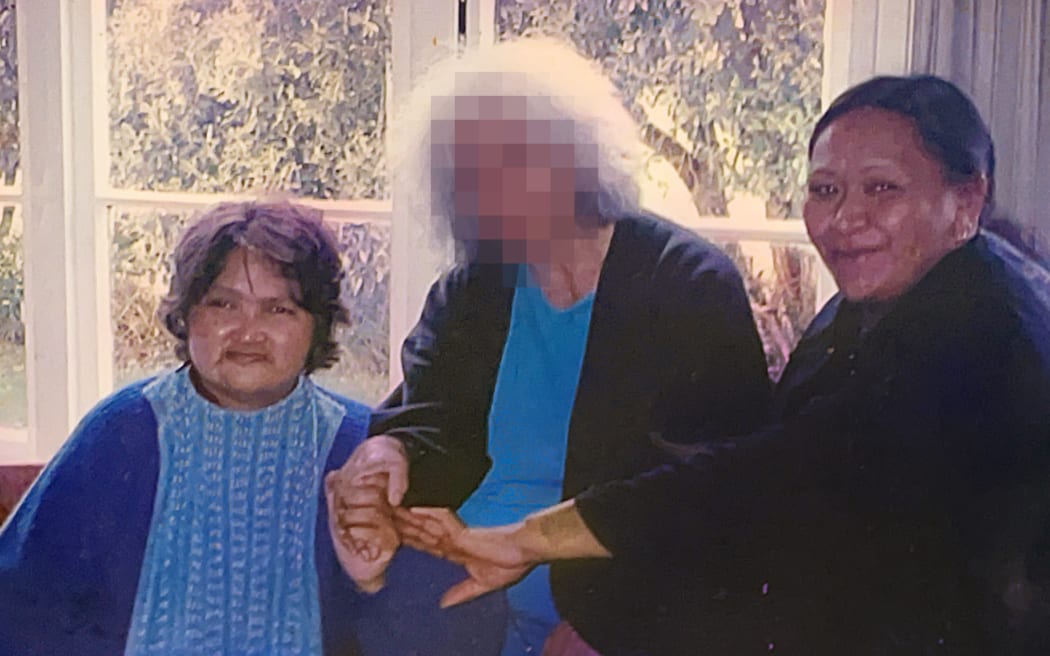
column 463, row 592
column 331, row 480
column 396, row 486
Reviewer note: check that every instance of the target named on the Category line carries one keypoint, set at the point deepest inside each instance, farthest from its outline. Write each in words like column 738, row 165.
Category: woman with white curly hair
column 571, row 323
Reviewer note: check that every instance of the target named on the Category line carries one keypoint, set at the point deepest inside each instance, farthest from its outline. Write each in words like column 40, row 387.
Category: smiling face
column 878, row 207
column 248, row 337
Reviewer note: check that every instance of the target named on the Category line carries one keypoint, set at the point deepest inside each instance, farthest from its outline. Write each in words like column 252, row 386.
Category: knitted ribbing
column 229, row 562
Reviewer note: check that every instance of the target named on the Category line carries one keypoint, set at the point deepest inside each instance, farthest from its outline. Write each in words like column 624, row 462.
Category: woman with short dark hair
column 291, row 235
column 185, row 514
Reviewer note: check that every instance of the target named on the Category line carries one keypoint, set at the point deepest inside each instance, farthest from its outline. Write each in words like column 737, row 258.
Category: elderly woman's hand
column 497, row 557
column 361, row 523
column 381, row 454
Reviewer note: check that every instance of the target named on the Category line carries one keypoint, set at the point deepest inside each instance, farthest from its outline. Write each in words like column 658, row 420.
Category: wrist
column 371, row 586
column 391, row 442
column 527, row 538
column 558, row 532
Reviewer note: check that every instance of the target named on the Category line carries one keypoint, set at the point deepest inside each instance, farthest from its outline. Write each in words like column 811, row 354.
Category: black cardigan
column 672, row 358
column 900, row 504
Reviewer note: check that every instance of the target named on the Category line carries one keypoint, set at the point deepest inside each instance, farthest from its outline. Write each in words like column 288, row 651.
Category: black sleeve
column 440, row 409
column 717, row 385
column 1013, row 512
column 727, row 495
column 984, row 471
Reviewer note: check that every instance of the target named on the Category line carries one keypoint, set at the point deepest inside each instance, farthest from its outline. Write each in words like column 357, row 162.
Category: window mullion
column 863, row 38
column 91, row 369
column 46, row 212
column 421, row 33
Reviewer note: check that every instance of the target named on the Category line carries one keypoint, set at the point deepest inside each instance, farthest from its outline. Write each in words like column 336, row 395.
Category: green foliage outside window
column 783, row 296
column 249, row 95
column 11, row 288
column 9, row 153
column 727, row 90
column 12, row 330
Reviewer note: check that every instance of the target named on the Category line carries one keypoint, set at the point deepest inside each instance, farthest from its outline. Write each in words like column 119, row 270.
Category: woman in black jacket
column 577, row 340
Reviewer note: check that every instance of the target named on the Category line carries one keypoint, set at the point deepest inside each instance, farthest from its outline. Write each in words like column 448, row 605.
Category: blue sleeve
column 339, row 597
column 70, row 555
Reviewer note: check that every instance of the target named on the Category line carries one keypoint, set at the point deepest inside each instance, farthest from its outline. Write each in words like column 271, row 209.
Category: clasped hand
column 367, row 527
column 361, row 497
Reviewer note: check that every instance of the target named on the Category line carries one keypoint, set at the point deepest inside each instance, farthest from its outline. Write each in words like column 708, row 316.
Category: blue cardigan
column 71, row 554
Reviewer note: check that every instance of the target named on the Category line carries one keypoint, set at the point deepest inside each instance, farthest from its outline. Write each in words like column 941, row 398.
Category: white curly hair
column 545, row 80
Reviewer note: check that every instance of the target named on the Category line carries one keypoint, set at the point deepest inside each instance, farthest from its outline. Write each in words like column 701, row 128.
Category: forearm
column 557, row 533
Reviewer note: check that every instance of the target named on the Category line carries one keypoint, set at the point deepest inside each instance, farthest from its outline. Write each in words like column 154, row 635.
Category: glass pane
column 363, row 370
column 781, row 281
column 13, row 406
column 8, row 95
column 727, row 90
column 249, row 95
column 141, row 269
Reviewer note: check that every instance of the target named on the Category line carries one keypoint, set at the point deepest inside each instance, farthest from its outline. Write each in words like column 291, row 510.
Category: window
column 128, row 116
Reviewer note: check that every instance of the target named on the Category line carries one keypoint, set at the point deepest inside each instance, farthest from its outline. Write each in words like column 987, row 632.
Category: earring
column 964, row 230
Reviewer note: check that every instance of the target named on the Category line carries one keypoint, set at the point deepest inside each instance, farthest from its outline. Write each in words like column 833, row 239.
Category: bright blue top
column 528, row 432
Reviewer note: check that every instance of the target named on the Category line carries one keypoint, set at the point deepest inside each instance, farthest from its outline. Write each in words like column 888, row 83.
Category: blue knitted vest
column 229, row 562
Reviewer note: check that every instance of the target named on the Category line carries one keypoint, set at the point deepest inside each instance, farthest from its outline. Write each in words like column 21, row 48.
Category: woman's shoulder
column 1026, row 278
column 353, row 420
column 126, row 404
column 472, row 286
column 671, row 261
column 988, row 289
column 120, row 430
column 1015, row 289
column 669, row 247
column 356, row 414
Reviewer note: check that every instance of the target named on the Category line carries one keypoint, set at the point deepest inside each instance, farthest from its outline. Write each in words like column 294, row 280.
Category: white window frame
column 65, row 195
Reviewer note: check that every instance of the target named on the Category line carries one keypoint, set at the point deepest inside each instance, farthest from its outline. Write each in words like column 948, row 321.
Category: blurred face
column 515, row 182
column 248, row 337
column 879, row 209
